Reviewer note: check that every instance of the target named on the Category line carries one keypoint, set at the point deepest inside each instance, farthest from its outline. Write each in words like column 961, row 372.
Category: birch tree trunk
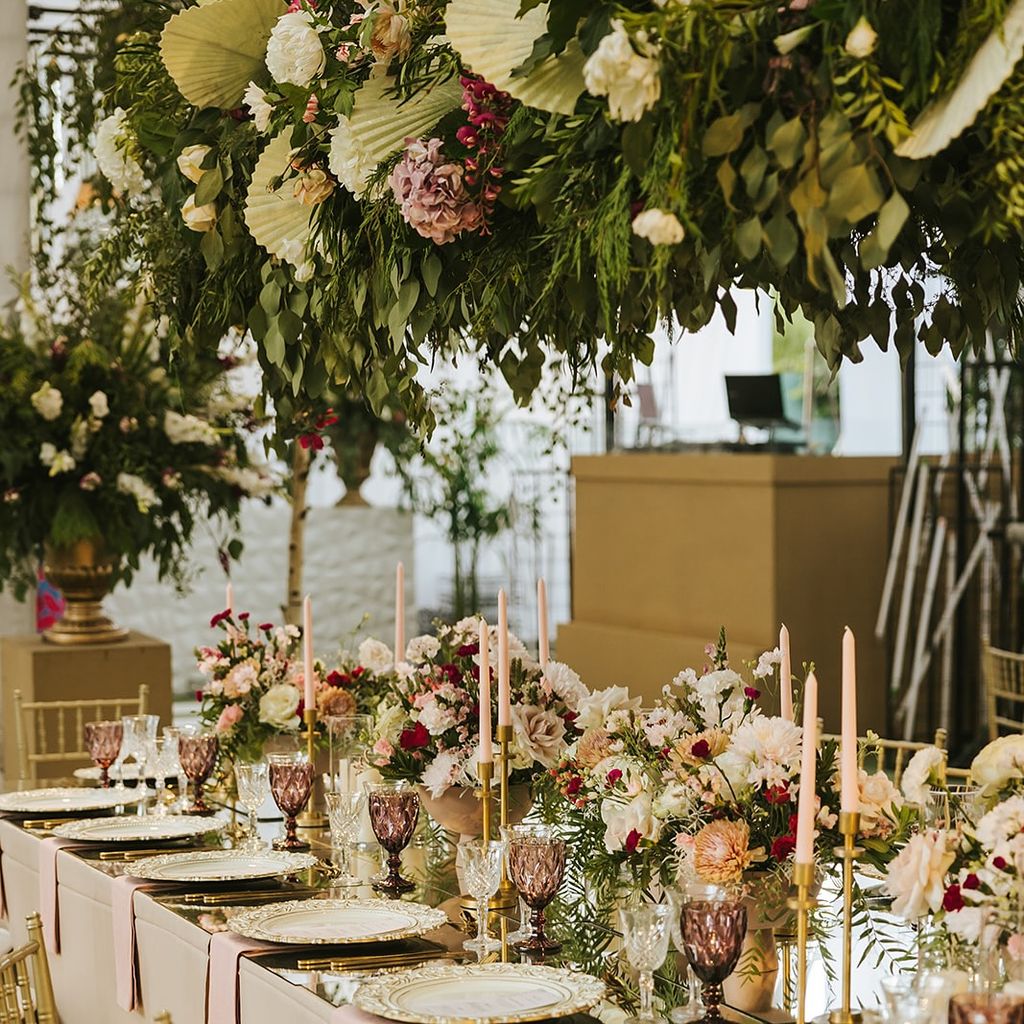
column 296, row 535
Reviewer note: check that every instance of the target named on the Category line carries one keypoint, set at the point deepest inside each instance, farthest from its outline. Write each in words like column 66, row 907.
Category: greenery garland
column 710, row 144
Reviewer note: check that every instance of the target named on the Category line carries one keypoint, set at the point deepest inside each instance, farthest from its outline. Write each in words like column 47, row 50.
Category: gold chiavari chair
column 49, row 732
column 875, row 754
column 163, row 1018
column 26, row 996
column 1004, row 680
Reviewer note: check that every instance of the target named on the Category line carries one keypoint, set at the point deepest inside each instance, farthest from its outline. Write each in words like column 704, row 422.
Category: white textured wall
column 350, row 567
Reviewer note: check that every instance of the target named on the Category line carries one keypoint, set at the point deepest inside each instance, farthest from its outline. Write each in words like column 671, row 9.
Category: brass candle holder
column 310, row 817
column 485, row 773
column 507, row 896
column 802, row 902
column 849, row 826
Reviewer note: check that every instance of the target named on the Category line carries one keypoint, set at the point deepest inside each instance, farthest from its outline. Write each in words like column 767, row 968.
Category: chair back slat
column 1004, row 681
column 26, row 988
column 42, row 733
column 875, row 754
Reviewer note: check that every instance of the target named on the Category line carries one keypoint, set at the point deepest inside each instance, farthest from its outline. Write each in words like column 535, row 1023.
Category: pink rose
column 383, row 750
column 229, row 717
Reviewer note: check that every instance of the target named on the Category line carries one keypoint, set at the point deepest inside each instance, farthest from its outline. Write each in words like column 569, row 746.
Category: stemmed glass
column 345, row 813
column 103, row 741
column 645, row 933
column 139, row 733
column 524, row 932
column 394, row 810
column 291, row 782
column 678, row 897
column 986, row 1008
column 713, row 931
column 536, row 864
column 197, row 750
column 171, row 735
column 253, row 784
column 481, row 868
column 347, row 740
column 161, row 758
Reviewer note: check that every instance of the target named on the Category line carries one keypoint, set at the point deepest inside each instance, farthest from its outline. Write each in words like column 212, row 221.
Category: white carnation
column 764, row 751
column 256, row 100
column 47, row 401
column 137, row 488
column 375, row 655
column 566, row 684
column 294, row 52
column 114, row 141
column 421, row 649
column 596, row 707
column 630, row 79
column 436, row 718
column 348, row 160
column 188, row 429
column 659, row 227
column 442, row 773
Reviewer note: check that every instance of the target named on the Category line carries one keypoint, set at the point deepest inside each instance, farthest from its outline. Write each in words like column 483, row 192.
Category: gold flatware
column 44, row 824
column 355, row 963
column 136, row 854
column 244, row 896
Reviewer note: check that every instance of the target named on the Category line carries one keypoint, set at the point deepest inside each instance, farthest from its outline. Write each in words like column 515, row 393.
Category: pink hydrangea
column 431, row 191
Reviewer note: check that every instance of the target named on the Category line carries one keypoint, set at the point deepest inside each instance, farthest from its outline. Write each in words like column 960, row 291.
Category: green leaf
column 875, row 248
column 748, row 238
column 856, row 194
column 723, row 135
column 212, row 248
column 209, row 186
column 431, row 270
column 787, row 142
column 782, row 239
column 273, row 344
column 637, row 139
column 270, row 297
column 407, row 296
column 727, row 182
column 752, row 169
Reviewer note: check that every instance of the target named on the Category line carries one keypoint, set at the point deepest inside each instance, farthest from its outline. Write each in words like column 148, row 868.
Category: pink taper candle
column 785, row 675
column 486, row 748
column 229, row 598
column 504, row 697
column 806, row 806
column 543, row 649
column 399, row 613
column 307, row 652
column 849, row 786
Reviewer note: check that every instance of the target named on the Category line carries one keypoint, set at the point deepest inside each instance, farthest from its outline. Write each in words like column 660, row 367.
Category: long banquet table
column 173, row 942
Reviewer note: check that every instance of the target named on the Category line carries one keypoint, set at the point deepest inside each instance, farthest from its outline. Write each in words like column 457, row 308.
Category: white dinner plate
column 133, row 829
column 220, row 865
column 337, row 922
column 485, row 993
column 67, row 800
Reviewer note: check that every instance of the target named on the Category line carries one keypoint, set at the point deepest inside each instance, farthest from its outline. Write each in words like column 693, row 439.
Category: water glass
column 197, row 750
column 646, row 930
column 986, row 1008
column 678, row 897
column 481, row 868
column 394, row 810
column 345, row 814
column 161, row 757
column 252, row 780
column 348, row 738
column 953, row 806
column 103, row 741
column 291, row 782
column 712, row 933
column 536, row 864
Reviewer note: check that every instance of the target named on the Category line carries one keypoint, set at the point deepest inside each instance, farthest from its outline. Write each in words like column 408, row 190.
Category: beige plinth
column 45, row 671
column 668, row 547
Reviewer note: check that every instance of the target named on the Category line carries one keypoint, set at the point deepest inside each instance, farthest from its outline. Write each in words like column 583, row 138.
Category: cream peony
column 539, row 733
column 375, row 655
column 595, row 708
column 565, row 684
column 999, row 763
column 862, row 40
column 347, row 159
column 99, row 408
column 917, row 876
column 390, row 36
column 114, row 143
column 764, row 751
column 923, row 771
column 137, row 488
column 623, row 818
column 190, row 161
column 294, row 52
column 421, row 648
column 47, row 401
column 879, row 799
column 659, row 227
column 198, row 218
column 256, row 100
column 279, row 706
column 629, row 77
column 188, row 429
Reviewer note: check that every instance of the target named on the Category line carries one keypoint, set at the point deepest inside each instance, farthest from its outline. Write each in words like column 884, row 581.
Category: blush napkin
column 49, row 905
column 226, row 949
column 122, row 906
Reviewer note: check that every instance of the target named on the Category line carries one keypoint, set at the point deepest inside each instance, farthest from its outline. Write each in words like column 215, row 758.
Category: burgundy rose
column 614, row 775
column 701, row 749
column 971, row 881
column 952, row 900
column 414, row 738
column 633, row 841
column 783, row 846
column 336, row 678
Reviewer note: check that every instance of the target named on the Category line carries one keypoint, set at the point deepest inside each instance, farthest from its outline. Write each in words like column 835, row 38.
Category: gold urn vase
column 84, row 572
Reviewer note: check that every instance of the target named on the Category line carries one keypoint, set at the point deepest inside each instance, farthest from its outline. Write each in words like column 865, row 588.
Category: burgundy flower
column 468, row 650
column 243, row 616
column 777, row 794
column 467, row 136
column 614, row 775
column 573, row 786
column 751, row 692
column 783, row 846
column 952, row 900
column 219, row 618
column 311, row 441
column 199, row 695
column 971, row 881
column 358, row 671
column 633, row 841
column 701, row 749
column 414, row 738
column 999, row 862
column 336, row 678
column 266, row 626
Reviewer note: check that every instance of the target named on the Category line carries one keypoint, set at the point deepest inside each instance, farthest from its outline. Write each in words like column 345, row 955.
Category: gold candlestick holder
column 485, row 773
column 508, row 895
column 802, row 902
column 849, row 826
column 310, row 816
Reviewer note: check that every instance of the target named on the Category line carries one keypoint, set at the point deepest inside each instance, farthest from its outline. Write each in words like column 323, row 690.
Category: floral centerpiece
column 105, row 455
column 427, row 727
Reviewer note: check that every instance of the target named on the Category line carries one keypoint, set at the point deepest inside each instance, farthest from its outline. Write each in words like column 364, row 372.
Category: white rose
column 98, row 405
column 137, row 488
column 630, row 79
column 422, row 648
column 620, row 819
column 256, row 100
column 114, row 145
column 389, row 722
column 63, row 462
column 47, row 453
column 198, row 218
column 862, row 40
column 47, row 401
column 294, row 52
column 999, row 763
column 190, row 161
column 659, row 227
column 188, row 429
column 922, row 772
column 594, row 709
column 375, row 655
column 279, row 706
column 917, row 876
column 540, row 733
column 348, row 160
column 676, row 800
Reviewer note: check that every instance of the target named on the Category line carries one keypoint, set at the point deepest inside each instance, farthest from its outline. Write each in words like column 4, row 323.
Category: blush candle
column 486, row 746
column 806, row 806
column 543, row 647
column 785, row 675
column 849, row 787
column 399, row 612
column 229, row 598
column 504, row 693
column 307, row 652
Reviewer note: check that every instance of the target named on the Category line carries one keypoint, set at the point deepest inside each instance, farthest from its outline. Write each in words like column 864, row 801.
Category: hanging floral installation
column 364, row 184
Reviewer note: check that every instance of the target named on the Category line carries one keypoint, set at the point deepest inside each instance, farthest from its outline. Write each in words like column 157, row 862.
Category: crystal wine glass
column 481, row 868
column 713, row 931
column 348, row 737
column 252, row 779
column 536, row 863
column 345, row 814
column 524, row 932
column 159, row 759
column 394, row 810
column 986, row 1008
column 678, row 897
column 291, row 782
column 103, row 741
column 171, row 735
column 197, row 750
column 645, row 933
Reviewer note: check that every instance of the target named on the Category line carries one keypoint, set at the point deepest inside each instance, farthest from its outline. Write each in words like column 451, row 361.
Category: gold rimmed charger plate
column 202, row 866
column 134, row 829
column 484, row 993
column 337, row 922
column 67, row 800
